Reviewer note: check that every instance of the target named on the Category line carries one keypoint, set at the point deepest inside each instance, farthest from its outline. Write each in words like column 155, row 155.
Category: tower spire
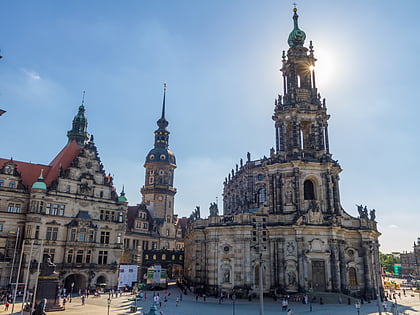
column 297, row 36
column 79, row 126
column 162, row 122
column 164, row 97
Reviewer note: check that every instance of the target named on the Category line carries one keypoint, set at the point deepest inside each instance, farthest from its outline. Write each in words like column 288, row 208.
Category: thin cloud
column 393, row 226
column 32, row 74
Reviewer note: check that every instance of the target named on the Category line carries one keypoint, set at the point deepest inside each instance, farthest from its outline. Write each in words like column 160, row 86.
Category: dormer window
column 9, row 170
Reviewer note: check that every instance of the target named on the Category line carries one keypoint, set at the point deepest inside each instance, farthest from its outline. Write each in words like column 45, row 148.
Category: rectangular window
column 145, row 226
column 112, row 216
column 73, row 235
column 33, row 206
column 138, row 225
column 41, row 206
column 68, row 188
column 81, row 237
column 91, row 236
column 55, row 210
column 102, row 257
column 29, row 231
column 1, row 182
column 62, row 210
column 37, row 232
column 79, row 256
column 51, row 252
column 70, row 256
column 17, row 208
column 106, row 215
column 88, row 256
column 102, row 215
column 104, row 238
column 1, row 227
column 154, row 245
column 10, row 207
column 12, row 184
column 54, row 233
column 48, row 208
column 49, row 232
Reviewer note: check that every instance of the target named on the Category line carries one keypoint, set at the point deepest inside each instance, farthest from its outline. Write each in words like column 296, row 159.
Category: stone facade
column 410, row 262
column 68, row 209
column 283, row 212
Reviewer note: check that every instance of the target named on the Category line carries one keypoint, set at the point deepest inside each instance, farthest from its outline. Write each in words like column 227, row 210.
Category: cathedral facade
column 68, row 209
column 283, row 226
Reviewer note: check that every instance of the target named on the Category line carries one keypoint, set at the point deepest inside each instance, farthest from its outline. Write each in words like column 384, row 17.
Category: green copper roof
column 121, row 197
column 40, row 183
column 297, row 36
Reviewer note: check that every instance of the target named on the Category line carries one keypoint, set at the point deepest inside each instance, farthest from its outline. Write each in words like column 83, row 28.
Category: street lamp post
column 310, row 299
column 358, row 307
column 109, row 301
column 71, row 291
column 233, row 303
column 261, row 283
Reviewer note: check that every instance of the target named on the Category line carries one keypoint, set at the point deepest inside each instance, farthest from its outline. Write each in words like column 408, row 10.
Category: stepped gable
column 29, row 172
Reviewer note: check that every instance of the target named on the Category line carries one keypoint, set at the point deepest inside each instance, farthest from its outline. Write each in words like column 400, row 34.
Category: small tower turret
column 79, row 127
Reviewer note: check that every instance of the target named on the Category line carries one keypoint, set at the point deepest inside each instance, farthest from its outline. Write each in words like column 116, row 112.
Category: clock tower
column 158, row 191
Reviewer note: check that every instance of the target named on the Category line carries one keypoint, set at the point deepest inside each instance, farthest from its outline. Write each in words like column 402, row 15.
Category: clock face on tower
column 160, row 198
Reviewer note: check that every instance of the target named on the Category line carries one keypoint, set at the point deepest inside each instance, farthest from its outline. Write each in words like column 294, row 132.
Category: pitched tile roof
column 30, row 172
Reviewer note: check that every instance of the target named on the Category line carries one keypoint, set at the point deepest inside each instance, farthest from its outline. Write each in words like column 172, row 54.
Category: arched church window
column 308, row 190
column 261, row 195
column 352, row 276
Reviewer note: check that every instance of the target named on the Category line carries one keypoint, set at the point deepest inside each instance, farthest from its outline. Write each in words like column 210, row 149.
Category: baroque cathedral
column 283, row 226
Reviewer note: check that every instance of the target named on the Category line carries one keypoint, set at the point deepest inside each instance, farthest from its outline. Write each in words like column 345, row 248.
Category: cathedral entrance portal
column 318, row 275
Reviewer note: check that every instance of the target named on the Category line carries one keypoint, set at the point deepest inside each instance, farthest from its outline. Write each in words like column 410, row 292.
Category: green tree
column 388, row 261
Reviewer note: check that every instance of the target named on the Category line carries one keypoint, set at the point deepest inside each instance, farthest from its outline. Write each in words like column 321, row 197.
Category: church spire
column 162, row 134
column 162, row 122
column 297, row 36
column 79, row 126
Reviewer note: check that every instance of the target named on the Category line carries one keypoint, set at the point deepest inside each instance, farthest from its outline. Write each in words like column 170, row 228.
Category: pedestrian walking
column 204, row 298
column 289, row 312
column 284, row 305
column 64, row 303
column 7, row 306
column 385, row 306
column 177, row 301
column 83, row 299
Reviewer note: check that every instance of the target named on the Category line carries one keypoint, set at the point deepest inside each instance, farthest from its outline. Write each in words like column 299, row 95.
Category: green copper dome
column 121, row 197
column 40, row 183
column 297, row 36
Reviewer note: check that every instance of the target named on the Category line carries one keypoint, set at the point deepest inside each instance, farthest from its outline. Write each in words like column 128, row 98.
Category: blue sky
column 220, row 60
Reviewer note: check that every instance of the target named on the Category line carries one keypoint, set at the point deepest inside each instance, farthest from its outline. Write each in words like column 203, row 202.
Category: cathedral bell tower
column 300, row 116
column 301, row 131
column 158, row 191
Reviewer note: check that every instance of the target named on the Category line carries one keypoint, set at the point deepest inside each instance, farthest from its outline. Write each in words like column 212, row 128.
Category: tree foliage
column 388, row 261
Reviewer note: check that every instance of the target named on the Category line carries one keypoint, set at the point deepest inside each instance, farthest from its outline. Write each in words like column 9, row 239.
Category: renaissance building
column 68, row 209
column 282, row 219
